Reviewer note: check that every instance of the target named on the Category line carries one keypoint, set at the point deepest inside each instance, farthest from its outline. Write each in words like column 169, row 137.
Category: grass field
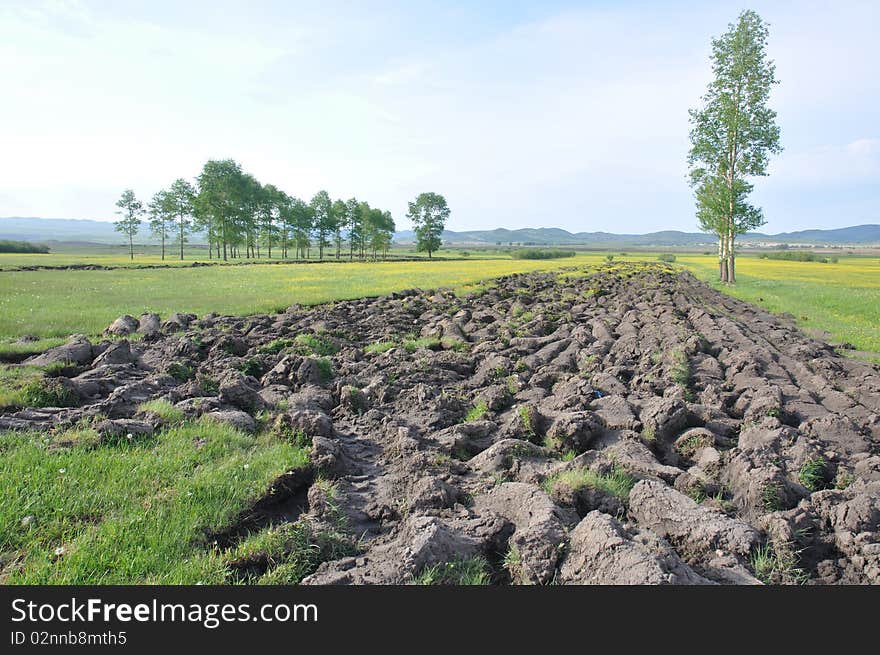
column 58, row 303
column 150, row 256
column 94, row 512
column 78, row 508
column 841, row 298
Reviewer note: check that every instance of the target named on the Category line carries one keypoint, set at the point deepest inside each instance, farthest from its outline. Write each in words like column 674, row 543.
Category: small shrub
column 252, row 367
column 326, row 368
column 813, row 474
column 526, row 418
column 315, row 345
column 794, row 256
column 180, row 372
column 666, row 258
column 209, row 385
column 542, row 253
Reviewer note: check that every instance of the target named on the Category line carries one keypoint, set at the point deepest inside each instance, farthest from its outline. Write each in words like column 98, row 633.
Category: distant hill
column 859, row 235
column 89, row 231
column 68, row 230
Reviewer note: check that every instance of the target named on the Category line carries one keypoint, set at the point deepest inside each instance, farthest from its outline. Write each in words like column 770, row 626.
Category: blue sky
column 564, row 114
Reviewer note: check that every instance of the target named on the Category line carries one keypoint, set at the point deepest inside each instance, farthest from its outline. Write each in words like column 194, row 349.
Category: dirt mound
column 626, row 425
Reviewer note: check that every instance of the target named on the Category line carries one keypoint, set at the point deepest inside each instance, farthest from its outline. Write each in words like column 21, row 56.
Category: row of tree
column 733, row 134
column 240, row 217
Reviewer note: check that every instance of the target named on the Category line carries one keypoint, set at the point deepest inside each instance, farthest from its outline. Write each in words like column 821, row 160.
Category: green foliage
column 379, row 347
column 770, row 497
column 525, row 416
column 412, row 345
column 794, row 256
column 251, row 366
column 843, row 479
column 428, row 214
column 288, row 552
column 48, row 392
column 275, row 346
column 680, row 373
column 208, row 384
column 476, row 412
column 732, row 135
column 325, row 366
column 474, row 571
column 130, row 211
column 23, row 247
column 616, row 483
column 170, row 414
column 813, row 474
column 542, row 253
column 180, row 371
column 29, row 386
column 777, row 564
column 314, row 345
column 95, row 509
column 666, row 257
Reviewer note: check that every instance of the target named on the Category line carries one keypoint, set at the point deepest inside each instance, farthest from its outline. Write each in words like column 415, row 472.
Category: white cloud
column 577, row 118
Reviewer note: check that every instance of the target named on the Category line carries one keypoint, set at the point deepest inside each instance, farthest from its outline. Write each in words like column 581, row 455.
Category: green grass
column 131, row 513
column 412, row 345
column 616, row 483
column 841, row 298
column 180, row 371
column 476, row 412
column 59, row 303
column 289, row 552
column 275, row 346
column 28, row 386
column 11, row 348
column 474, row 571
column 313, row 345
column 777, row 565
column 812, row 474
column 380, row 347
column 163, row 409
column 251, row 366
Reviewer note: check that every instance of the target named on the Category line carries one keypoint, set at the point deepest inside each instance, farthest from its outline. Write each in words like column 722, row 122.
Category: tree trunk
column 731, row 261
column 130, row 247
column 163, row 246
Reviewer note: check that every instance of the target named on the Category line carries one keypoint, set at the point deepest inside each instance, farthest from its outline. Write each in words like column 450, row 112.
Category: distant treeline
column 795, row 256
column 541, row 253
column 23, row 247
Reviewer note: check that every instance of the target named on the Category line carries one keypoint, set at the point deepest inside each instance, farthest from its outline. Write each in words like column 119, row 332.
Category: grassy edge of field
column 847, row 305
column 81, row 509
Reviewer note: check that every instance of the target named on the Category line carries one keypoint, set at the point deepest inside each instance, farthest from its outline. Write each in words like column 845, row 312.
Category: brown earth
column 742, row 439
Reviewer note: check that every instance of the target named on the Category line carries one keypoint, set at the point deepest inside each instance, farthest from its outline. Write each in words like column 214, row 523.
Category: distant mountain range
column 89, row 231
column 859, row 235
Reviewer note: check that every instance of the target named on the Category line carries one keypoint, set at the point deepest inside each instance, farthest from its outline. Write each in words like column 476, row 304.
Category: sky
column 522, row 114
